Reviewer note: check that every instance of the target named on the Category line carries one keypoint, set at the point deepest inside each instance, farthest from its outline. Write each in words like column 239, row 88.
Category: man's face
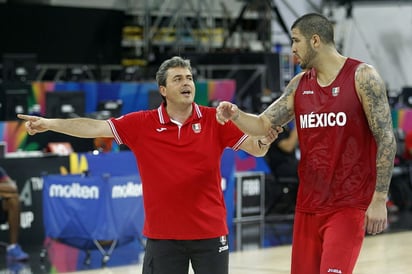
column 302, row 49
column 180, row 87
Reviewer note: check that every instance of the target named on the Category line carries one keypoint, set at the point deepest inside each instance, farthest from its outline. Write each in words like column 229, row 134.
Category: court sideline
column 388, row 253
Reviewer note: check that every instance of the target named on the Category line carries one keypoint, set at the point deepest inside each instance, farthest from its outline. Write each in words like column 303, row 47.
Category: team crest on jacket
column 196, row 128
column 335, row 91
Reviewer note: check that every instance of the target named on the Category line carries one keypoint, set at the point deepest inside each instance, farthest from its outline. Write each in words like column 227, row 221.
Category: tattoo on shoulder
column 281, row 111
column 373, row 93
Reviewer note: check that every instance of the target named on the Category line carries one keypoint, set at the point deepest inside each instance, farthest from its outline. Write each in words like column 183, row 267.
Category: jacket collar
column 164, row 117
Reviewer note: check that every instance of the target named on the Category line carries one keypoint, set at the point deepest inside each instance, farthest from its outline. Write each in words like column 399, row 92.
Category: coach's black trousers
column 207, row 256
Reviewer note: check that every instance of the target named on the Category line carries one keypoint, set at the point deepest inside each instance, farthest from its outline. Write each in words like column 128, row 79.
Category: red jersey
column 179, row 166
column 338, row 151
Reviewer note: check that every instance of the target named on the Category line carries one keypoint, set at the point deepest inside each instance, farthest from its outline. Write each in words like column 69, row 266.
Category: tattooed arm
column 279, row 113
column 372, row 92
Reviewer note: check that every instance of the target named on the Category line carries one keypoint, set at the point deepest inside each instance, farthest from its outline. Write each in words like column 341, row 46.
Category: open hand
column 226, row 111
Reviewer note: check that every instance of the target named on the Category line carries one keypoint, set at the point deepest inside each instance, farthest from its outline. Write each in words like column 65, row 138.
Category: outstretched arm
column 372, row 91
column 277, row 114
column 78, row 127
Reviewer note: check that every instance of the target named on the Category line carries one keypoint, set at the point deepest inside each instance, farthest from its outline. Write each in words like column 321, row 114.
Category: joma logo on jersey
column 314, row 120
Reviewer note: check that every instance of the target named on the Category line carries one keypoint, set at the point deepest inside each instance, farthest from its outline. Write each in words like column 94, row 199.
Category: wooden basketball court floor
column 388, row 253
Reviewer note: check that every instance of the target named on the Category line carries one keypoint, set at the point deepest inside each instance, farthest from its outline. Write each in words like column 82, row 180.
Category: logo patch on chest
column 197, row 128
column 335, row 91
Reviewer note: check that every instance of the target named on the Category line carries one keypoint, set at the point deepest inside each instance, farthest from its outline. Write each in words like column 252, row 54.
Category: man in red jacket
column 178, row 148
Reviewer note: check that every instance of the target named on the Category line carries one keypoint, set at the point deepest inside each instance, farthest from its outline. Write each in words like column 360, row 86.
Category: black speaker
column 407, row 96
column 19, row 68
column 13, row 100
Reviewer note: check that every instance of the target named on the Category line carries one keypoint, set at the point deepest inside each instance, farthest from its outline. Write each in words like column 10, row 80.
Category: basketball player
column 347, row 148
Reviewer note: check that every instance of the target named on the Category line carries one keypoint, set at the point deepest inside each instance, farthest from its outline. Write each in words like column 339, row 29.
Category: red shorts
column 328, row 242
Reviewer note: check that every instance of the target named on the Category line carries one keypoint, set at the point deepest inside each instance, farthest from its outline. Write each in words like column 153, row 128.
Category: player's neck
column 329, row 70
column 179, row 113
